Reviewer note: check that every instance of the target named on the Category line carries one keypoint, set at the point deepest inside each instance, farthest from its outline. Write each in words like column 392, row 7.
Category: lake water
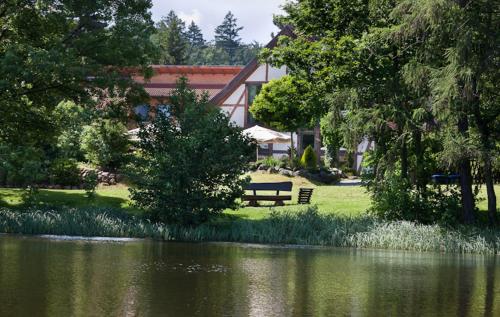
column 46, row 277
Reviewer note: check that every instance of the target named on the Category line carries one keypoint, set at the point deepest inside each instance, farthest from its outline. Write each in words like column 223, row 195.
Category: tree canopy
column 173, row 186
column 413, row 76
column 177, row 44
column 51, row 51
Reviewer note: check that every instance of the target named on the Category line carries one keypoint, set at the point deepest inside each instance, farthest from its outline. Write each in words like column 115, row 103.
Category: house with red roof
column 232, row 88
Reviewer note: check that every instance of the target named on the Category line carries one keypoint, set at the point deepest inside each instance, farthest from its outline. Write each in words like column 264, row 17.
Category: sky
column 256, row 16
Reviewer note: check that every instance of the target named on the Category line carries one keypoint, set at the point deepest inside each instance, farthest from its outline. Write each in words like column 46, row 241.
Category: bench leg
column 253, row 203
column 279, row 203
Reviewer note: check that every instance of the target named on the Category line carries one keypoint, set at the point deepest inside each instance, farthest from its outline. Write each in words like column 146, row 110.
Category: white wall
column 235, row 96
column 259, row 74
column 275, row 73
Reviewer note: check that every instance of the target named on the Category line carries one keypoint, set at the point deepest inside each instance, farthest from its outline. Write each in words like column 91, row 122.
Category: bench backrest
column 281, row 186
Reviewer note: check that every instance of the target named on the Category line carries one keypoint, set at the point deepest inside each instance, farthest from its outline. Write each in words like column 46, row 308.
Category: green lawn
column 346, row 200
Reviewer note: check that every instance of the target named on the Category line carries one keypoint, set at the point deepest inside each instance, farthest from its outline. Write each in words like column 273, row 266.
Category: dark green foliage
column 227, row 36
column 415, row 77
column 395, row 199
column 65, row 50
column 171, row 39
column 194, row 35
column 21, row 165
column 189, row 168
column 105, row 143
column 64, row 171
column 309, row 159
column 177, row 45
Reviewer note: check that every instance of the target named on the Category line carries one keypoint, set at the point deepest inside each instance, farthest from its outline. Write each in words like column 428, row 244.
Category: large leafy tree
column 169, row 183
column 282, row 105
column 66, row 50
column 457, row 43
column 376, row 85
column 227, row 36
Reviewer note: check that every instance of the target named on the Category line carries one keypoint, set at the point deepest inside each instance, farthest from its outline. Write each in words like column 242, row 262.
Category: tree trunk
column 484, row 133
column 421, row 179
column 404, row 159
column 490, row 189
column 291, row 148
column 464, row 168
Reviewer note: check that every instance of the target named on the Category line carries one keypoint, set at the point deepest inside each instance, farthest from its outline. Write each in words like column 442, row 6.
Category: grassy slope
column 341, row 200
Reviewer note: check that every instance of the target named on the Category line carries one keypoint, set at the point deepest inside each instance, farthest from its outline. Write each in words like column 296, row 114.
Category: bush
column 309, row 159
column 189, row 168
column 90, row 181
column 395, row 199
column 64, row 171
column 270, row 161
column 105, row 144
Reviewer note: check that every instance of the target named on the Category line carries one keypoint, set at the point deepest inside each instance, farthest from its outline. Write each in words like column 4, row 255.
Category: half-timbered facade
column 233, row 89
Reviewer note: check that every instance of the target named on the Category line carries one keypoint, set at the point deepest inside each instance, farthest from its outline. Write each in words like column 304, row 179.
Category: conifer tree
column 171, row 40
column 194, row 35
column 227, row 36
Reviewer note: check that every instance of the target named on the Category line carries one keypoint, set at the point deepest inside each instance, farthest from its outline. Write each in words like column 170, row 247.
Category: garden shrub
column 90, row 182
column 189, row 168
column 395, row 199
column 105, row 143
column 64, row 171
column 309, row 159
column 271, row 161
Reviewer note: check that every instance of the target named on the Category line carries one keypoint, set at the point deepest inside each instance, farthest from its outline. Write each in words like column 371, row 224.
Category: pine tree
column 171, row 40
column 194, row 35
column 227, row 36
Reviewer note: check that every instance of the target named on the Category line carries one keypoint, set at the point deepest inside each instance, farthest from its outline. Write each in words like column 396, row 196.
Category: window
column 252, row 91
column 142, row 112
column 164, row 110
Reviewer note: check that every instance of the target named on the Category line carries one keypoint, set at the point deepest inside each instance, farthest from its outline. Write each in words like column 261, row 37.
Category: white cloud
column 193, row 16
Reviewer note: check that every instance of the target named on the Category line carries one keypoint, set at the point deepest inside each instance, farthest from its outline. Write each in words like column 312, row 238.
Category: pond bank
column 305, row 227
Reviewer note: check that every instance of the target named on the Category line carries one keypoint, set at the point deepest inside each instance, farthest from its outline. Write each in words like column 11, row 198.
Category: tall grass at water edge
column 305, row 227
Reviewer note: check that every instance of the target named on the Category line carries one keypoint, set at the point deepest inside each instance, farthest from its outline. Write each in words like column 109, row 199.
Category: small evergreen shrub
column 309, row 159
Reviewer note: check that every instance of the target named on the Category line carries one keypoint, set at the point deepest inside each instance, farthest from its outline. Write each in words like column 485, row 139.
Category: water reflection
column 41, row 277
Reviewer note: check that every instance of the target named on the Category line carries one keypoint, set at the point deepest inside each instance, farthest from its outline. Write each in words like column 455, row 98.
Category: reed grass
column 303, row 227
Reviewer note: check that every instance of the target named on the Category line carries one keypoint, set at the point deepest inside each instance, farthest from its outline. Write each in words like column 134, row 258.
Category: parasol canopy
column 263, row 135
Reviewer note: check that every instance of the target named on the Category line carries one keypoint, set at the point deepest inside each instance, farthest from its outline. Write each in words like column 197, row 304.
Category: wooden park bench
column 253, row 200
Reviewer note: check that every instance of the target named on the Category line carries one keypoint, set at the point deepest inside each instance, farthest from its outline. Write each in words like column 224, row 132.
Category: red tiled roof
column 165, row 92
column 201, row 78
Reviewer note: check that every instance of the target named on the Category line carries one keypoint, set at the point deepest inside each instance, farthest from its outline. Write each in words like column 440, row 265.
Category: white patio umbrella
column 133, row 135
column 263, row 136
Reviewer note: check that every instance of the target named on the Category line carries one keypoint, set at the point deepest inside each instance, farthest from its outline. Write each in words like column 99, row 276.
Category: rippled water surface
column 67, row 277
